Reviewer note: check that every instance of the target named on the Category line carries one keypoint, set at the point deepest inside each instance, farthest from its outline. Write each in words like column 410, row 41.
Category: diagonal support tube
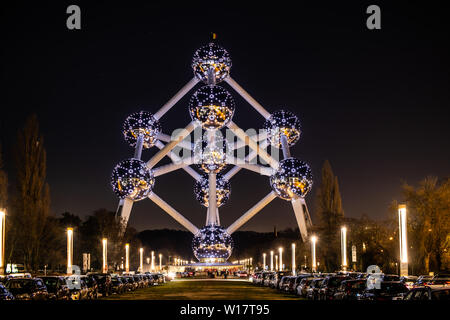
column 300, row 217
column 172, row 167
column 173, row 213
column 248, row 158
column 180, row 94
column 244, row 94
column 250, row 213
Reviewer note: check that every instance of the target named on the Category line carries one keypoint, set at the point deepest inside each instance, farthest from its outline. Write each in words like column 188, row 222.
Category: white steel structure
column 212, row 108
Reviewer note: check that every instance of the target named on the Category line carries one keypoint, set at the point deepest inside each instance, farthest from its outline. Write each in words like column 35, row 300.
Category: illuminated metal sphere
column 132, row 179
column 212, row 156
column 282, row 122
column 213, row 61
column 293, row 177
column 141, row 123
column 212, row 107
column 212, row 244
column 223, row 190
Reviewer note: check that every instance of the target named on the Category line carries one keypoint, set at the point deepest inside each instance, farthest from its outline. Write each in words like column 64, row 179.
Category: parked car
column 284, row 283
column 117, row 286
column 277, row 276
column 103, row 282
column 375, row 279
column 312, row 292
column 303, row 286
column 92, row 285
column 350, row 289
column 409, row 281
column 27, row 289
column 428, row 293
column 57, row 288
column 267, row 278
column 389, row 290
column 5, row 294
column 329, row 286
column 441, row 279
column 128, row 283
column 290, row 287
column 423, row 280
column 78, row 288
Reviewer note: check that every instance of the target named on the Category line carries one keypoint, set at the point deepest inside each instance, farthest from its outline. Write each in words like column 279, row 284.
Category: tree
column 330, row 214
column 429, row 208
column 32, row 200
column 3, row 183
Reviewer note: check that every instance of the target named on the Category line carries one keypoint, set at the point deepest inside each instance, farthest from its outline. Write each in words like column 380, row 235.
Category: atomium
column 132, row 179
column 212, row 244
column 223, row 190
column 282, row 123
column 211, row 63
column 141, row 123
column 293, row 177
column 212, row 107
column 211, row 156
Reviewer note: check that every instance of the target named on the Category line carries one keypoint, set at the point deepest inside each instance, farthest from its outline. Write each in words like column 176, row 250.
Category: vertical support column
column 344, row 248
column 105, row 255
column 313, row 254
column 2, row 240
column 127, row 257
column 294, row 267
column 285, row 147
column 212, row 202
column 403, row 240
column 141, row 260
column 69, row 250
column 139, row 145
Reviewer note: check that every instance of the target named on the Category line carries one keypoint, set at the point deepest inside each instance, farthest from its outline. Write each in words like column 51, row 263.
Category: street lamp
column 105, row 255
column 2, row 240
column 264, row 261
column 280, row 250
column 141, row 260
column 69, row 250
column 153, row 261
column 160, row 262
column 127, row 257
column 293, row 259
column 403, row 240
column 276, row 263
column 344, row 248
column 271, row 260
column 313, row 253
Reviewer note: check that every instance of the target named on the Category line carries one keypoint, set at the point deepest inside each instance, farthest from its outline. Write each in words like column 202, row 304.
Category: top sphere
column 141, row 123
column 282, row 123
column 212, row 107
column 293, row 177
column 211, row 63
column 132, row 179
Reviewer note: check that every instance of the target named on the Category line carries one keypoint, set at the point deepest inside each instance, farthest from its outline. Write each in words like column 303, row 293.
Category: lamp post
column 313, row 253
column 69, row 250
column 344, row 248
column 276, row 263
column 271, row 260
column 153, row 261
column 293, row 259
column 127, row 257
column 2, row 240
column 141, row 260
column 280, row 251
column 160, row 262
column 105, row 255
column 264, row 261
column 403, row 240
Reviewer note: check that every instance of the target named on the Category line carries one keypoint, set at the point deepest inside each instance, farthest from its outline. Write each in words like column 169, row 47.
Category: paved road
column 205, row 289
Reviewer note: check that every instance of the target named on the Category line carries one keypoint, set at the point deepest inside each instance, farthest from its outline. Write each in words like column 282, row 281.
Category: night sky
column 374, row 103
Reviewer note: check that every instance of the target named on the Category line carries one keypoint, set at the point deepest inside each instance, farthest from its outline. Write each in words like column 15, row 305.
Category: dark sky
column 375, row 103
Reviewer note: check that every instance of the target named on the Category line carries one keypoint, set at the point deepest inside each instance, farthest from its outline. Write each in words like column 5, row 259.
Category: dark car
column 428, row 293
column 312, row 292
column 284, row 283
column 275, row 281
column 329, row 287
column 127, row 285
column 78, row 287
column 92, row 285
column 5, row 294
column 266, row 278
column 389, row 290
column 350, row 289
column 303, row 286
column 117, row 285
column 57, row 288
column 103, row 282
column 27, row 289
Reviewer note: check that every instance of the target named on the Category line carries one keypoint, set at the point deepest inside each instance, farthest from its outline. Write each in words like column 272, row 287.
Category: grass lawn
column 205, row 289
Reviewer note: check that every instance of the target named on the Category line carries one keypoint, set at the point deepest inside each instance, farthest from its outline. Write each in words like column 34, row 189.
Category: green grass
column 205, row 290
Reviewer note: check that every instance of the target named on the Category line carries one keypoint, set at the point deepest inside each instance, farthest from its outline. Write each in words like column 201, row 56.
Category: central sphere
column 211, row 156
column 211, row 63
column 293, row 177
column 223, row 190
column 141, row 123
column 282, row 123
column 132, row 179
column 212, row 107
column 212, row 244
